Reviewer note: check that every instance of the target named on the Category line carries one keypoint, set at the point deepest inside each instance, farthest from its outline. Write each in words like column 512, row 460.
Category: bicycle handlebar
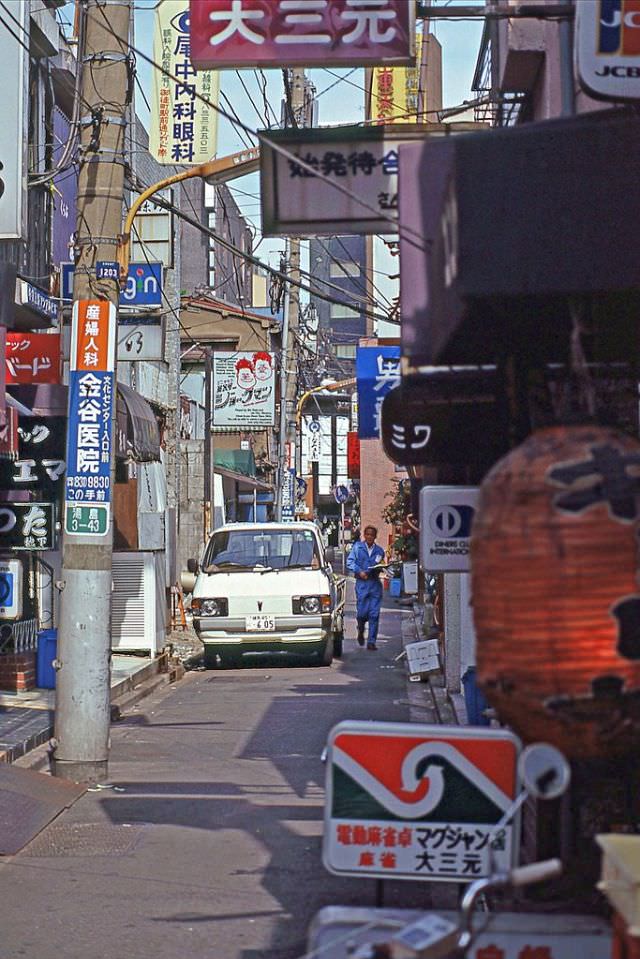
column 535, row 872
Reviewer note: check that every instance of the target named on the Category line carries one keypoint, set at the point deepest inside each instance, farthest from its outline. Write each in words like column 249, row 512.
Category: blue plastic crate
column 47, row 652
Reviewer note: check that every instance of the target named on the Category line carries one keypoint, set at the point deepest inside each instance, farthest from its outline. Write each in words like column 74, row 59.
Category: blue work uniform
column 368, row 591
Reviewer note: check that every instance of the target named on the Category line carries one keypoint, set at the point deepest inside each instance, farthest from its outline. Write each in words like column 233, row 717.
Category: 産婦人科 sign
column 419, row 802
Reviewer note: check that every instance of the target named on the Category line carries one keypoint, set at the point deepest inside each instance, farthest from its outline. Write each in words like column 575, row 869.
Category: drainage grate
column 84, row 839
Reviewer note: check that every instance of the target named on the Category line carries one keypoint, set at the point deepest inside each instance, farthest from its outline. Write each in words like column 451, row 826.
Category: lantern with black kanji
column 556, row 590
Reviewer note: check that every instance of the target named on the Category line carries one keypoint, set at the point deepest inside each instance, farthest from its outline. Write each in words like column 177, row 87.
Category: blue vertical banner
column 91, row 412
column 377, row 372
column 289, row 496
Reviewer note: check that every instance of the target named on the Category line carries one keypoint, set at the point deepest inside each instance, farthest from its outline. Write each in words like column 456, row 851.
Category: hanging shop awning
column 501, row 228
column 138, row 435
column 138, row 423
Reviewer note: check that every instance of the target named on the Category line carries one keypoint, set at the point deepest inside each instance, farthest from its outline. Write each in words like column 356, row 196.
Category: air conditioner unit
column 135, row 621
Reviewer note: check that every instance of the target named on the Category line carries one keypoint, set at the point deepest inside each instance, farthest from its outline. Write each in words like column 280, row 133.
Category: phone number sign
column 91, row 412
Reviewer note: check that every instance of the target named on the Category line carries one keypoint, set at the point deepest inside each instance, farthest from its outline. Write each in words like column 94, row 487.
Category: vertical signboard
column 13, row 185
column 289, row 496
column 394, row 91
column 183, row 128
column 377, row 372
column 91, row 414
column 63, row 214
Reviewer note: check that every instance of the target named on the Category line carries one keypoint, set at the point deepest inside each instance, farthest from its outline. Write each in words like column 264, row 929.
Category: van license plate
column 260, row 624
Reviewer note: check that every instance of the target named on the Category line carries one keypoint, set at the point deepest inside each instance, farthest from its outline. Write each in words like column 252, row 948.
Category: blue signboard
column 144, row 284
column 91, row 404
column 341, row 494
column 289, row 496
column 377, row 372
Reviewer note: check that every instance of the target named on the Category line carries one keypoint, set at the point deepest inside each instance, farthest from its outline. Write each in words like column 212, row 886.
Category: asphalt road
column 208, row 843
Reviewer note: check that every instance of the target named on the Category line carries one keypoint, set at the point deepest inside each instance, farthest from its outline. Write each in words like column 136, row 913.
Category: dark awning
column 137, row 421
column 501, row 227
column 137, row 434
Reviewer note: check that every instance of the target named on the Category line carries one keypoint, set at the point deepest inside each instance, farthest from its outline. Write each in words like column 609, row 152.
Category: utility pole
column 288, row 392
column 82, row 715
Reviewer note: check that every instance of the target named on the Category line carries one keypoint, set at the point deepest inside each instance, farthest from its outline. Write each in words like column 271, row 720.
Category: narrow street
column 208, row 842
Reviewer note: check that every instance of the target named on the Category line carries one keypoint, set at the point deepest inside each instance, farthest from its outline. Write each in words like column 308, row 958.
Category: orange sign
column 93, row 336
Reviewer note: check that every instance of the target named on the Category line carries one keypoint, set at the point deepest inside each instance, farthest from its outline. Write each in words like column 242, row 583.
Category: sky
column 339, row 102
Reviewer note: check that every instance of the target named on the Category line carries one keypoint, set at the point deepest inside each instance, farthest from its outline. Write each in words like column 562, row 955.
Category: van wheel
column 337, row 644
column 327, row 653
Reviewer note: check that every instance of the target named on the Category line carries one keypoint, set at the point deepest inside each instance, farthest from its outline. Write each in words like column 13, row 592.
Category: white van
column 266, row 587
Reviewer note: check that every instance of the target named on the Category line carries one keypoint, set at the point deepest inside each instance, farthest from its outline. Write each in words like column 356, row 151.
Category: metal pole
column 282, row 422
column 342, row 536
column 207, row 518
column 567, row 79
column 83, row 693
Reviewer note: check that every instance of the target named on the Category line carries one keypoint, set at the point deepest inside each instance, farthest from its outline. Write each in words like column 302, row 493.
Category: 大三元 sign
column 377, row 372
column 607, row 48
column 419, row 802
column 446, row 517
column 27, row 525
column 32, row 358
column 183, row 126
column 91, row 413
column 246, row 33
column 243, row 390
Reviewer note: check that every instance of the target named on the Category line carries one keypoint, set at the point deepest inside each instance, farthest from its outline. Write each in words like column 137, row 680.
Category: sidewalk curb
column 33, row 753
column 430, row 697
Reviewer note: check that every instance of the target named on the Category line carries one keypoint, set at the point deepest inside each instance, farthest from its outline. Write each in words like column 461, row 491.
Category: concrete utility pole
column 288, row 392
column 82, row 715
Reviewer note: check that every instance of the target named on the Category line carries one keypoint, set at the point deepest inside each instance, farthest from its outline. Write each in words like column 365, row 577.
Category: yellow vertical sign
column 183, row 129
column 394, row 91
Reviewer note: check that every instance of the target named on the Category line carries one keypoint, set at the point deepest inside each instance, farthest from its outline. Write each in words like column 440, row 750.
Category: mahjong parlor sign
column 419, row 802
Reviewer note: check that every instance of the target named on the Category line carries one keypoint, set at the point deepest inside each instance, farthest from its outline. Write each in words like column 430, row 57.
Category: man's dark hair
column 375, row 531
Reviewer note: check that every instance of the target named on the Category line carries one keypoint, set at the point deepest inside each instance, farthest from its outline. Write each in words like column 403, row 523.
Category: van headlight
column 310, row 605
column 209, row 607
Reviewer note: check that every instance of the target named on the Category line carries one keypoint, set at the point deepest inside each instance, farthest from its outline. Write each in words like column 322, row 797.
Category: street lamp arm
column 330, row 387
column 214, row 171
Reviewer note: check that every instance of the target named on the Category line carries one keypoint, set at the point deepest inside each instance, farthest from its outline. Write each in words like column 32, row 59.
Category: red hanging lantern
column 556, row 590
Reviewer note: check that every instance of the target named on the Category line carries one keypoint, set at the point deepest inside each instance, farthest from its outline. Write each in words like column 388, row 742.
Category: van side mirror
column 192, row 566
column 330, row 554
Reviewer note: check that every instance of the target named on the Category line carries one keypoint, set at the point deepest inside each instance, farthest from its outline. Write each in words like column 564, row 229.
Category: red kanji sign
column 242, row 33
column 32, row 358
column 353, row 455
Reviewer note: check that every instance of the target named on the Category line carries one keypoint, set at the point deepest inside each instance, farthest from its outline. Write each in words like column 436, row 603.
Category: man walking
column 365, row 555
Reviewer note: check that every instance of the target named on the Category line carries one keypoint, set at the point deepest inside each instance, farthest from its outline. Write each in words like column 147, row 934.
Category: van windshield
column 257, row 549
